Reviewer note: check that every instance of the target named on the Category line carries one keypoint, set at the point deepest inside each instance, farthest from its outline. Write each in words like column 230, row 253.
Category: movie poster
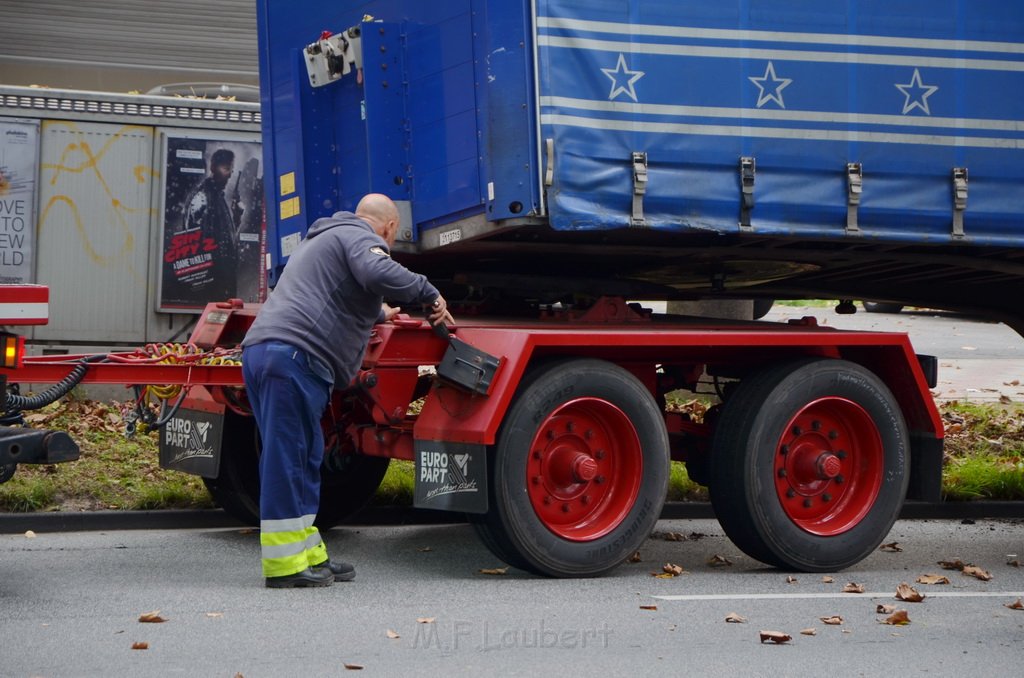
column 213, row 225
column 19, row 166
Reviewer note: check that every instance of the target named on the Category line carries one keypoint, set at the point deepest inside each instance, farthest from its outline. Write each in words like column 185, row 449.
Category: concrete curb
column 15, row 523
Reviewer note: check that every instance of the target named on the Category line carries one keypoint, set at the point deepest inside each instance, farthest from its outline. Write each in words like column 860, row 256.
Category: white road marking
column 851, row 596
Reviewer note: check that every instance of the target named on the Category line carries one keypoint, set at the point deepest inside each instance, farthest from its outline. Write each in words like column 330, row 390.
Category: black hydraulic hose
column 15, row 403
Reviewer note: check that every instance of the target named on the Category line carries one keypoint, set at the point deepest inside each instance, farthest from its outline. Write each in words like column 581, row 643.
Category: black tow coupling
column 464, row 365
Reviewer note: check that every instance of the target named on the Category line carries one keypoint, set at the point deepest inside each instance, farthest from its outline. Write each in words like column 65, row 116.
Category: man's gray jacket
column 330, row 293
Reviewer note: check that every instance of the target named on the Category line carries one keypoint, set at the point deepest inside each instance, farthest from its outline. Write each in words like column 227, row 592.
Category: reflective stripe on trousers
column 288, row 399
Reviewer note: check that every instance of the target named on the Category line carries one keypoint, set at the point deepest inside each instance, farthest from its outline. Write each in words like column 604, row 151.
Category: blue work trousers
column 288, row 399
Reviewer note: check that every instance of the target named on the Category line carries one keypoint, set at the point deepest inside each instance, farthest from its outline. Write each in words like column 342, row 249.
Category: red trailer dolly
column 552, row 435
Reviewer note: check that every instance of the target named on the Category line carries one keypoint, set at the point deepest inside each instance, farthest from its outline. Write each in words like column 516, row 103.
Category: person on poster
column 208, row 212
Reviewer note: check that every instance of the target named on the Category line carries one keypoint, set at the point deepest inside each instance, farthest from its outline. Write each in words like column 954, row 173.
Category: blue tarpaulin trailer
column 669, row 149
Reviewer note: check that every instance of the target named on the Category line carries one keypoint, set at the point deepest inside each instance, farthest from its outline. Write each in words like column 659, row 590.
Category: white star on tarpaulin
column 771, row 87
column 917, row 94
column 630, row 78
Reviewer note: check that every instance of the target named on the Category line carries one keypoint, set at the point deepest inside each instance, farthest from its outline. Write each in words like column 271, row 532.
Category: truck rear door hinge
column 334, row 55
column 637, row 219
column 748, row 167
column 854, row 189
column 959, row 200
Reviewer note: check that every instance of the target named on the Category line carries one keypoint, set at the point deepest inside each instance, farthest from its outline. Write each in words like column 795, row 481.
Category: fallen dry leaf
column 354, row 667
column 1013, row 563
column 853, row 588
column 733, row 618
column 977, row 573
column 719, row 561
column 908, row 593
column 885, row 609
column 674, row 536
column 956, row 564
column 392, row 634
column 1015, row 605
column 891, row 547
column 648, row 607
column 672, row 569
column 425, row 620
column 494, row 570
column 827, row 579
column 932, row 579
column 29, row 534
column 809, row 632
column 662, row 575
column 635, row 558
column 151, row 617
column 834, row 620
column 139, row 645
column 247, row 530
column 777, row 637
column 1005, row 399
column 791, row 580
column 897, row 618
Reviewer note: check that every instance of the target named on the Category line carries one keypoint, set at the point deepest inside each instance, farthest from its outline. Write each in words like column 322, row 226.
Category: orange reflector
column 13, row 346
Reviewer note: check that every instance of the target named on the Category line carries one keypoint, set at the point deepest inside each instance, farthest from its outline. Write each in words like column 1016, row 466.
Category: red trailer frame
column 561, row 458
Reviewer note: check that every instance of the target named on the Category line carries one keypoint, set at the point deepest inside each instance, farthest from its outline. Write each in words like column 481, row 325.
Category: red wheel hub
column 828, row 466
column 584, row 469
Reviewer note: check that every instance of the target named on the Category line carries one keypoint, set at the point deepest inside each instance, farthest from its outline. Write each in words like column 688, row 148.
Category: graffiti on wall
column 91, row 193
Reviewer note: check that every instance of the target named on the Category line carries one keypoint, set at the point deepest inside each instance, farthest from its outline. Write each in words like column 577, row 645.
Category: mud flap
column 190, row 442
column 451, row 476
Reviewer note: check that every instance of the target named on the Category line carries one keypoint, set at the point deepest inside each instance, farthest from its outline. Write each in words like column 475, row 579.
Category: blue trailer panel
column 666, row 149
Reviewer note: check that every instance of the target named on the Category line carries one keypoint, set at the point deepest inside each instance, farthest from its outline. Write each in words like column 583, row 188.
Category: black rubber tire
column 343, row 491
column 743, row 490
column 875, row 307
column 512, row 529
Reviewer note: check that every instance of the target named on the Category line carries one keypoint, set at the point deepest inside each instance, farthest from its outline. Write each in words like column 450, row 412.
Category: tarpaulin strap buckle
column 748, row 167
column 639, row 189
column 959, row 200
column 854, row 190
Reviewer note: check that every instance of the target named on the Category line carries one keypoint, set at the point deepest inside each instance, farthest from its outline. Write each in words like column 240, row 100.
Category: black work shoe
column 340, row 571
column 308, row 577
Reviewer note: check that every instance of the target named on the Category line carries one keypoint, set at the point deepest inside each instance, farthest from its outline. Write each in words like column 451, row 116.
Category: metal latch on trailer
column 639, row 189
column 333, row 56
column 748, row 168
column 854, row 190
column 959, row 200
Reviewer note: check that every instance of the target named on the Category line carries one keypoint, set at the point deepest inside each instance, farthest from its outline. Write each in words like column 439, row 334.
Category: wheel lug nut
column 569, row 426
column 790, row 493
column 589, row 434
column 784, row 450
column 551, row 435
column 841, row 454
column 826, row 497
column 797, row 430
column 599, row 480
column 816, row 425
column 536, row 480
column 599, row 454
column 537, row 455
column 808, row 503
column 782, row 473
column 585, row 499
column 547, row 500
column 839, row 480
column 832, row 435
column 565, row 508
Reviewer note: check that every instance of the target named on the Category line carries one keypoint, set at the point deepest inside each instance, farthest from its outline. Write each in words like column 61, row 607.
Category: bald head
column 380, row 212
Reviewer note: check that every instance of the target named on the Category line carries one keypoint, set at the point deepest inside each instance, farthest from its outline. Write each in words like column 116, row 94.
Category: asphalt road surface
column 70, row 603
column 978, row 360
